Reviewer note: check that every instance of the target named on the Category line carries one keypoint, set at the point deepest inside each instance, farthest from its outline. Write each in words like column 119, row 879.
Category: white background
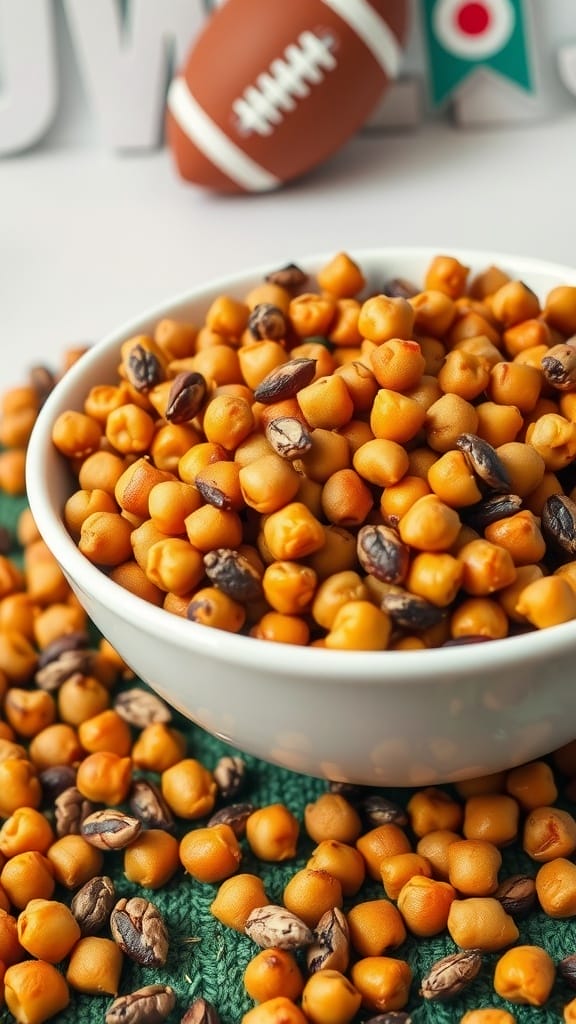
column 89, row 238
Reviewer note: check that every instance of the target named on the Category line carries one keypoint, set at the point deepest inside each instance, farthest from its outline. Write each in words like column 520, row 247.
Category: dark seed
column 201, row 1012
column 291, row 277
column 151, row 1004
column 288, row 437
column 186, row 397
column 213, row 494
column 230, row 775
column 391, row 1017
column 350, row 790
column 400, row 288
column 55, row 779
column 139, row 929
column 484, row 461
column 285, row 381
column 558, row 521
column 559, row 367
column 42, row 379
column 382, row 554
column 92, row 904
column 70, row 809
column 77, row 641
column 233, row 574
column 450, row 975
column 567, row 969
column 143, row 368
column 267, row 321
column 58, row 671
column 234, row 815
column 5, row 540
column 411, row 611
column 517, row 894
column 140, row 708
column 110, row 829
column 378, row 810
column 147, row 803
column 497, row 506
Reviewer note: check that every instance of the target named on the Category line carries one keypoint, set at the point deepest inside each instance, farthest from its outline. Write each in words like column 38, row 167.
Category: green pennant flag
column 464, row 35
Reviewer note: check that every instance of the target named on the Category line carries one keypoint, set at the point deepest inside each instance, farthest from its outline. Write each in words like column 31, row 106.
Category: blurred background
column 468, row 148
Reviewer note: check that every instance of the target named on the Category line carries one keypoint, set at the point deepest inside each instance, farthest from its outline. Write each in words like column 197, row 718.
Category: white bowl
column 390, row 718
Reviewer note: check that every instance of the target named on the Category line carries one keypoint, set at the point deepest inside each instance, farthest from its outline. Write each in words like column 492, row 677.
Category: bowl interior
column 49, row 483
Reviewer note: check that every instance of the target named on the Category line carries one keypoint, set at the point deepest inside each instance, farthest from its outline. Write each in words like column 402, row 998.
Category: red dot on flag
column 473, row 18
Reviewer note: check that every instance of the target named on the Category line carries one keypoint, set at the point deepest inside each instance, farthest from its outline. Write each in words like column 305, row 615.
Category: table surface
column 89, row 239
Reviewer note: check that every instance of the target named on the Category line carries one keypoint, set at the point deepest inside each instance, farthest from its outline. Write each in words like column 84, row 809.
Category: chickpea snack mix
column 151, row 872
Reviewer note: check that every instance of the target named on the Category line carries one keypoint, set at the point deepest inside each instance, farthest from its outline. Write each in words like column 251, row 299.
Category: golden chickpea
column 209, row 527
column 34, row 991
column 279, row 1010
column 491, row 816
column 473, row 866
column 129, row 429
column 333, row 817
column 359, row 626
column 556, row 887
column 396, row 417
column 452, row 480
column 293, row 532
column 383, row 982
column 105, row 538
column 281, row 629
column 272, row 833
column 375, row 926
column 47, row 930
column 329, row 452
column 212, row 607
column 480, row 922
column 210, row 854
column 95, row 966
column 268, row 483
column 429, row 524
column 342, row 861
column 486, row 567
column 554, row 438
column 488, row 1015
column 446, row 418
column 26, row 829
column 549, row 832
column 330, row 998
column 498, row 424
column 105, row 731
column 532, row 785
column 19, row 786
column 547, row 601
column 379, row 842
column 399, row 869
column 236, row 898
column 431, row 809
column 74, row 861
column 80, row 697
column 158, row 747
column 479, row 616
column 76, row 435
column 310, row 892
column 11, row 952
column 525, row 975
column 272, row 973
column 424, row 904
column 152, row 858
column 434, row 847
column 27, row 876
column 189, row 789
column 29, row 711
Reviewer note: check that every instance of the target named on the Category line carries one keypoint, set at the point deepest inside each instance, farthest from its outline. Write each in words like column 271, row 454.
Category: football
column 270, row 90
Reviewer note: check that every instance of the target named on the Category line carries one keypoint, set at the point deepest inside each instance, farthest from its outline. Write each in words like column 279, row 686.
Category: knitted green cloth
column 207, row 959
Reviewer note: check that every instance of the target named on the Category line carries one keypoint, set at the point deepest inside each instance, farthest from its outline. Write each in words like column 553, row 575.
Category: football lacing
column 288, row 79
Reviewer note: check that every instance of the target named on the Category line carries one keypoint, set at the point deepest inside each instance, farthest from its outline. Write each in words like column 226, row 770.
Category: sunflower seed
column 186, row 397
column 484, row 461
column 382, row 554
column 232, row 573
column 230, row 775
column 110, row 829
column 151, row 1004
column 267, row 321
column 559, row 367
column 92, row 904
column 139, row 929
column 143, row 368
column 288, row 437
column 411, row 611
column 330, row 949
column 558, row 521
column 140, row 708
column 273, row 925
column 450, row 975
column 291, row 276
column 285, row 381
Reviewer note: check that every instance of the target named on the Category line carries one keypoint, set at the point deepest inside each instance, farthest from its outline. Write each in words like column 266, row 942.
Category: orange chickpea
column 210, row 854
column 424, row 904
column 332, row 817
column 379, row 842
column 236, row 898
column 383, row 982
column 375, row 926
column 272, row 833
column 271, row 973
column 310, row 892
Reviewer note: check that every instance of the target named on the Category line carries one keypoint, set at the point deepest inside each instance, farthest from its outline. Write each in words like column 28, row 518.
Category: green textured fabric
column 207, row 959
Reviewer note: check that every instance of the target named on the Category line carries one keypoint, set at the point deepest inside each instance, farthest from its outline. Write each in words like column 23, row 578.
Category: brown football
column 272, row 89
